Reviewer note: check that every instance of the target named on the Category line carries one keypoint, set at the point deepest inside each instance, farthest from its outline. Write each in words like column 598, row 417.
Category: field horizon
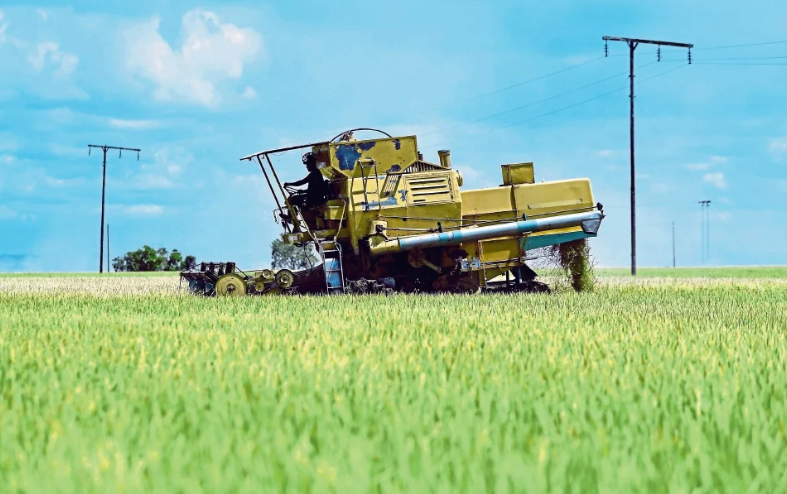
column 754, row 271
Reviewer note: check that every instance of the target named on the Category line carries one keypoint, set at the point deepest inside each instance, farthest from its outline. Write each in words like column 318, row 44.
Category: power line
column 741, row 46
column 443, row 142
column 586, row 62
column 742, row 64
column 561, row 109
column 736, row 58
column 591, row 99
column 695, row 60
column 542, row 115
column 518, row 84
column 533, row 103
column 673, row 69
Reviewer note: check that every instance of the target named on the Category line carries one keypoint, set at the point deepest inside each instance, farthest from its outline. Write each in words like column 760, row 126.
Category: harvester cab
column 382, row 218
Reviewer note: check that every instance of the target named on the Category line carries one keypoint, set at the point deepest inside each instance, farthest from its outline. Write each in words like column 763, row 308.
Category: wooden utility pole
column 632, row 44
column 105, row 148
column 109, row 266
column 705, row 233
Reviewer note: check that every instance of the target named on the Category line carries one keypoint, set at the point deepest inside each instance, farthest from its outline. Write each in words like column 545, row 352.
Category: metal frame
column 282, row 150
column 372, row 165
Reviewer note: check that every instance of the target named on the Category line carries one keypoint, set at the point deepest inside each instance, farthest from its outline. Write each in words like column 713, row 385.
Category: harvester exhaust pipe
column 589, row 222
column 445, row 158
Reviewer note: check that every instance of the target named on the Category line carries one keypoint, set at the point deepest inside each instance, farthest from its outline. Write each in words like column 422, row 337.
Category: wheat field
column 126, row 384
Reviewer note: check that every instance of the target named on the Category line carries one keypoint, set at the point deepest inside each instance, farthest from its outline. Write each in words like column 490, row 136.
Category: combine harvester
column 382, row 219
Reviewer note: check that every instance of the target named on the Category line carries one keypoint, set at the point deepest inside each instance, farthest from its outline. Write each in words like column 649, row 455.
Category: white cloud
column 605, row 153
column 172, row 159
column 778, row 146
column 6, row 158
column 713, row 160
column 50, row 51
column 150, row 181
column 211, row 53
column 133, row 124
column 662, row 188
column 61, row 182
column 164, row 173
column 716, row 179
column 7, row 214
column 3, row 27
column 474, row 178
column 35, row 65
column 249, row 93
column 144, row 210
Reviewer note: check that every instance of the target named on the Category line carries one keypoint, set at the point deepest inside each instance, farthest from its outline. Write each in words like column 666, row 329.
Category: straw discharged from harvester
column 383, row 219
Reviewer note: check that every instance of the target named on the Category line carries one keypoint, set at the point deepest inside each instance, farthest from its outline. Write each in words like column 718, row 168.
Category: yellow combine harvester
column 382, row 218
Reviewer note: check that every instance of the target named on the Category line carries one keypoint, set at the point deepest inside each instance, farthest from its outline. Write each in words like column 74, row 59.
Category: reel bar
column 281, row 150
column 267, row 179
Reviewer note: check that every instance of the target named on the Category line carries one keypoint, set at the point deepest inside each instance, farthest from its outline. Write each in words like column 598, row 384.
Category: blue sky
column 196, row 85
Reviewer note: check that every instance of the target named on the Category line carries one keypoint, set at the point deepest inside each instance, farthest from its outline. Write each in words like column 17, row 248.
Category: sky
column 197, row 85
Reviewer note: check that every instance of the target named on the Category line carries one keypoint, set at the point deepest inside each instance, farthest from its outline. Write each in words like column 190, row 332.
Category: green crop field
column 124, row 384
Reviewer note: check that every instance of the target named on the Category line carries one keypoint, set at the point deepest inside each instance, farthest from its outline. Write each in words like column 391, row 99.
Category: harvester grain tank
column 385, row 219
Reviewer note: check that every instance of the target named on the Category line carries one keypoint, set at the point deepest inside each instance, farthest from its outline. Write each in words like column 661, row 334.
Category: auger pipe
column 589, row 222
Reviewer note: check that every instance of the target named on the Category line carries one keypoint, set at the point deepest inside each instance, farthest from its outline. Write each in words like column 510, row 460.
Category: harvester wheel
column 263, row 280
column 284, row 278
column 231, row 285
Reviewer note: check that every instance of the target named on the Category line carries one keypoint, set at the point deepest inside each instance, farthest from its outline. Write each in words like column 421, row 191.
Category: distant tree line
column 149, row 259
column 291, row 257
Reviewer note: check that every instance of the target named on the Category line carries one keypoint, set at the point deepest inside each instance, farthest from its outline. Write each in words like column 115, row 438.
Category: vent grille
column 422, row 166
column 429, row 190
column 389, row 185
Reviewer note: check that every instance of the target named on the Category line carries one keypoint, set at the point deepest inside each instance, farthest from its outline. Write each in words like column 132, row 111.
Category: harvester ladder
column 372, row 166
column 331, row 254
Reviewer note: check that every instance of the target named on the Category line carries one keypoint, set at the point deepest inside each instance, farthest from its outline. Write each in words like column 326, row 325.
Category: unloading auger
column 383, row 219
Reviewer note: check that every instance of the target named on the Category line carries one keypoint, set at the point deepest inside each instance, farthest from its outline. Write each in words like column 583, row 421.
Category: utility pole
column 673, row 243
column 705, row 233
column 105, row 148
column 632, row 44
column 109, row 266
